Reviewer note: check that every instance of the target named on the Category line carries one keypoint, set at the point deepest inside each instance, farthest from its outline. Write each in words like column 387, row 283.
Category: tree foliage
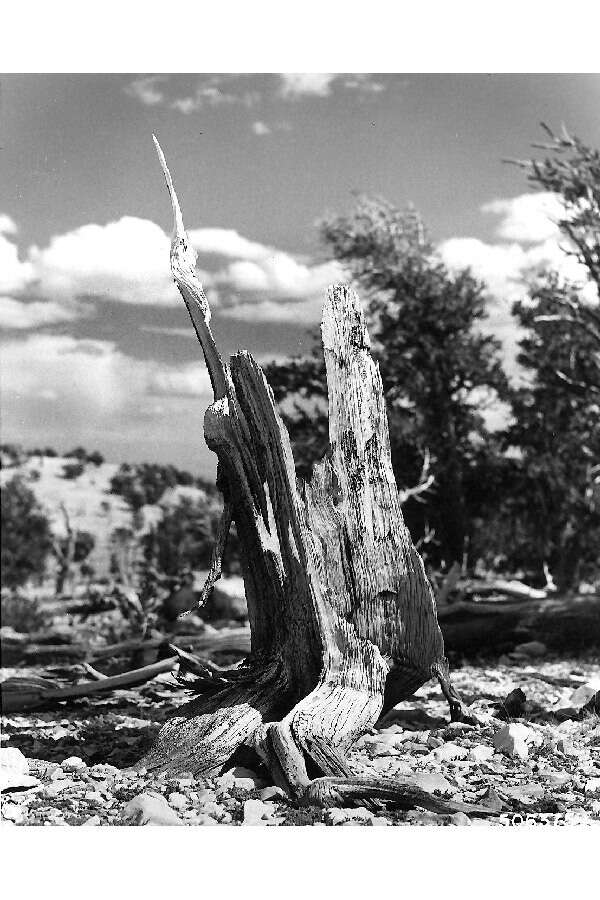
column 556, row 426
column 436, row 364
column 25, row 534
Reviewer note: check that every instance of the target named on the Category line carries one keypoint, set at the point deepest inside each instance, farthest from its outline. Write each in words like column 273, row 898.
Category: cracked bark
column 342, row 615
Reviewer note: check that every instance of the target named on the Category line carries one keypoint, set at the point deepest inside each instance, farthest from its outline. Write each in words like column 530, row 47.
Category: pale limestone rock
column 149, row 809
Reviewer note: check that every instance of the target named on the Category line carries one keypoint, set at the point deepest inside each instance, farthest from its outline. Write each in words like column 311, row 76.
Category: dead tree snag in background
column 341, row 612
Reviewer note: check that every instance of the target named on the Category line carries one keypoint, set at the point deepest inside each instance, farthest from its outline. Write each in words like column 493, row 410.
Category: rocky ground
column 534, row 757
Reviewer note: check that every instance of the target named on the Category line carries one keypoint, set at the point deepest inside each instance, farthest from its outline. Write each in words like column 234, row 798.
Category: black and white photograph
column 300, row 452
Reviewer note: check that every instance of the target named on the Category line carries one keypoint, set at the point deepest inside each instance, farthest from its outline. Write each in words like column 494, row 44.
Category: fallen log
column 19, row 694
column 567, row 624
column 235, row 640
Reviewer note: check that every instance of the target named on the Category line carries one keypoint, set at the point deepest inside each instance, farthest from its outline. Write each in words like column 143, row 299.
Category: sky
column 95, row 345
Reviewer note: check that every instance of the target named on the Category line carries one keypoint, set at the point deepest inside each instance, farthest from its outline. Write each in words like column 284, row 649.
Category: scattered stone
column 95, row 798
column 73, row 764
column 104, row 770
column 448, row 752
column 424, row 817
column 241, row 778
column 177, row 800
column 459, row 818
column 14, row 770
column 434, row 783
column 512, row 740
column 557, row 779
column 149, row 809
column 256, row 812
column 50, row 791
column 13, row 812
column 455, row 729
column 583, row 694
column 481, row 753
column 592, row 786
column 564, row 745
column 272, row 793
column 336, row 816
column 513, row 705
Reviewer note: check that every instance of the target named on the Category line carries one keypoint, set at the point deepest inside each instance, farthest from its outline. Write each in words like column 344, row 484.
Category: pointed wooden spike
column 178, row 226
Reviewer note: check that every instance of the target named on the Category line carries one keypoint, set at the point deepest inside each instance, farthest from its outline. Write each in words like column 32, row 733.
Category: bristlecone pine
column 342, row 615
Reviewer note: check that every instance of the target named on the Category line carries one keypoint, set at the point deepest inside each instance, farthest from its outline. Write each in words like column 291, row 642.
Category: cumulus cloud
column 145, row 89
column 125, row 260
column 70, row 390
column 16, row 314
column 529, row 218
column 93, row 373
column 304, row 312
column 14, row 274
column 7, row 225
column 294, row 85
column 530, row 242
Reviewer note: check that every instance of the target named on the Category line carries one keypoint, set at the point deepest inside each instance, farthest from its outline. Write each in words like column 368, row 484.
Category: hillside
column 88, row 501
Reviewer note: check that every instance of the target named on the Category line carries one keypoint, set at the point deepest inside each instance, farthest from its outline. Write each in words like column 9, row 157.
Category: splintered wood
column 342, row 615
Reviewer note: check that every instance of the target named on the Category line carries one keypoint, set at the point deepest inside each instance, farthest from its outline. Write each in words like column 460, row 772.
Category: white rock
column 242, row 778
column 583, row 693
column 256, row 812
column 12, row 758
column 592, row 786
column 480, row 753
column 564, row 745
column 449, row 751
column 73, row 764
column 459, row 818
column 104, row 770
column 14, row 770
column 272, row 793
column 93, row 820
column 433, row 783
column 149, row 809
column 512, row 740
column 177, row 800
column 337, row 816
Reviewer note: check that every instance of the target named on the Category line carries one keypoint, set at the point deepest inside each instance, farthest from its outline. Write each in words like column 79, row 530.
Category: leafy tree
column 557, row 413
column 184, row 539
column 436, row 364
column 73, row 470
column 25, row 535
column 146, row 482
column 557, row 432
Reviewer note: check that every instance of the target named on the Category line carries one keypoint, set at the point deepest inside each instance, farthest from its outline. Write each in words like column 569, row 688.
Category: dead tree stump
column 341, row 612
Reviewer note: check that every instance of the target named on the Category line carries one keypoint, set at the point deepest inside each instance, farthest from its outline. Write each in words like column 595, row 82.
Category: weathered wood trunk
column 342, row 614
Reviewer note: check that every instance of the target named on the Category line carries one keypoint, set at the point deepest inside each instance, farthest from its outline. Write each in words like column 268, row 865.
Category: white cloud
column 226, row 242
column 300, row 84
column 18, row 315
column 304, row 312
column 7, row 225
column 61, row 390
column 125, row 261
column 145, row 89
column 91, row 377
column 531, row 243
column 260, row 128
column 529, row 218
column 294, row 85
column 14, row 274
column 279, row 273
